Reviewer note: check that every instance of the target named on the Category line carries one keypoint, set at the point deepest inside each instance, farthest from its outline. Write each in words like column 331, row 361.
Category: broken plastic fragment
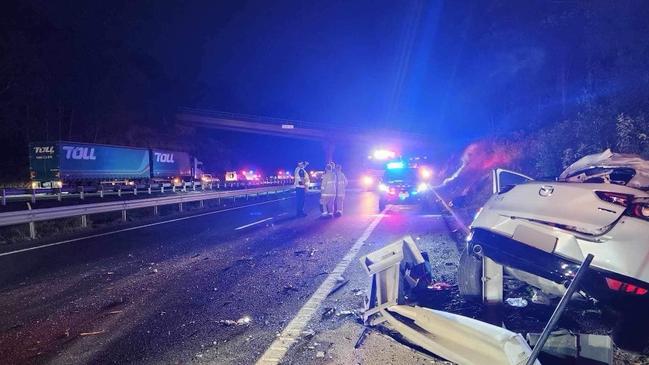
column 516, row 302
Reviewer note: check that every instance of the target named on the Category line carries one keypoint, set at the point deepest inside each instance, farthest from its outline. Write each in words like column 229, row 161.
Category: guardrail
column 81, row 192
column 44, row 214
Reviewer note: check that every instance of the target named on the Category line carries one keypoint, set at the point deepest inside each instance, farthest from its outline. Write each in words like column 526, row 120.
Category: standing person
column 328, row 192
column 341, row 185
column 301, row 184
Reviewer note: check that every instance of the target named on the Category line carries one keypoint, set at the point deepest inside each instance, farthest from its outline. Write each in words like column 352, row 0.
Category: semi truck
column 60, row 163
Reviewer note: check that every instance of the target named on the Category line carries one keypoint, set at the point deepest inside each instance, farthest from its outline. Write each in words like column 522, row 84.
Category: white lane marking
column 431, row 215
column 275, row 353
column 253, row 223
column 137, row 227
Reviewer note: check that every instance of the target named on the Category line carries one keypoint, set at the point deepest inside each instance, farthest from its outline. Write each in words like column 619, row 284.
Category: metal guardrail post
column 4, row 196
column 184, row 187
column 32, row 225
column 193, row 185
column 123, row 215
column 101, row 191
column 173, row 188
column 162, row 188
column 84, row 221
column 33, row 196
column 119, row 192
column 59, row 194
column 180, row 207
column 149, row 189
column 135, row 190
column 200, row 203
column 155, row 210
column 81, row 193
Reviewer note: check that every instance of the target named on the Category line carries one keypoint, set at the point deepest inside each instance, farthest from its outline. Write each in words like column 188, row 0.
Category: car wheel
column 381, row 205
column 470, row 276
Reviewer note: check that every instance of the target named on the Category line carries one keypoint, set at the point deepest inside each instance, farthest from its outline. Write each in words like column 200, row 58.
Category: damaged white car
column 600, row 206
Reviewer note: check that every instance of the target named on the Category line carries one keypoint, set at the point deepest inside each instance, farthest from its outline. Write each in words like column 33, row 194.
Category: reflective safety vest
column 328, row 185
column 301, row 178
column 341, row 183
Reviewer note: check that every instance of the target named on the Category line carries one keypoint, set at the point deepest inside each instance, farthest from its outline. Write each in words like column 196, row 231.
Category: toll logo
column 164, row 157
column 46, row 149
column 79, row 153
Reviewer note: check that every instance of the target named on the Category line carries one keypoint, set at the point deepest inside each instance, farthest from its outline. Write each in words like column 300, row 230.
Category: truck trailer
column 60, row 163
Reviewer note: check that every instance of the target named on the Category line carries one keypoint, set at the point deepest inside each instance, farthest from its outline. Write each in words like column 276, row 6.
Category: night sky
column 454, row 71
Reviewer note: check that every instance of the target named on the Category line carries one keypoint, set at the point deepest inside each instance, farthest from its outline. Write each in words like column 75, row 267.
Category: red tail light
column 615, row 198
column 625, row 287
column 639, row 210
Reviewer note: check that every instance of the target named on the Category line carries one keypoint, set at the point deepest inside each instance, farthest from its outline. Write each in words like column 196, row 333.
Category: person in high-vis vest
column 341, row 185
column 301, row 184
column 328, row 192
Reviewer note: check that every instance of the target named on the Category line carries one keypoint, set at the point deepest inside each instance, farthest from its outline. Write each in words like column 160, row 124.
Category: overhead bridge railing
column 38, row 215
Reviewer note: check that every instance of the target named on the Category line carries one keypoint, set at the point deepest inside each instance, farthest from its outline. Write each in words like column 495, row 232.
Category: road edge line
column 278, row 349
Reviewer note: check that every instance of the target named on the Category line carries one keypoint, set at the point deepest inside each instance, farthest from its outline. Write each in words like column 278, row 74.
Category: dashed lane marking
column 137, row 227
column 253, row 223
column 275, row 353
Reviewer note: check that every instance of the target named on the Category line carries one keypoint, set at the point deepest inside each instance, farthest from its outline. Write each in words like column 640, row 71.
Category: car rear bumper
column 518, row 255
column 396, row 199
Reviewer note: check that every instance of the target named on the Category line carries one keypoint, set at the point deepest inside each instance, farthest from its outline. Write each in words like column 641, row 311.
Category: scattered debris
column 440, row 286
column 358, row 292
column 516, row 302
column 115, row 312
column 345, row 313
column 328, row 313
column 92, row 333
column 539, row 297
column 308, row 334
column 289, row 288
column 243, row 321
column 320, row 354
column 362, row 337
column 340, row 282
column 307, row 252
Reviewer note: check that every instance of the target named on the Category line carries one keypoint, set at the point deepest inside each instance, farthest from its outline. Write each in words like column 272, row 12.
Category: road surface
column 166, row 293
column 244, row 285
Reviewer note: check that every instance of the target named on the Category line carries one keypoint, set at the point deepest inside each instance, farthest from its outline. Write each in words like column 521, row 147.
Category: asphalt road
column 165, row 294
column 173, row 293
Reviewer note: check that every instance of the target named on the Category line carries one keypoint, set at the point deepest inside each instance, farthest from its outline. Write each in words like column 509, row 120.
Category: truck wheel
column 381, row 205
column 469, row 276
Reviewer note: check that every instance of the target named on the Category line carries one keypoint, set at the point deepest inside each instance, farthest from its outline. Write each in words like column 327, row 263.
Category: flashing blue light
column 395, row 165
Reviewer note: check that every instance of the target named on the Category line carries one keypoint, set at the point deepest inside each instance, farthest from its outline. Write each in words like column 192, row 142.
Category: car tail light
column 615, row 198
column 621, row 286
column 639, row 210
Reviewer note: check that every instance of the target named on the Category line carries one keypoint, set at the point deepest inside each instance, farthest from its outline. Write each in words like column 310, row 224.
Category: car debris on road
column 516, row 302
column 454, row 337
